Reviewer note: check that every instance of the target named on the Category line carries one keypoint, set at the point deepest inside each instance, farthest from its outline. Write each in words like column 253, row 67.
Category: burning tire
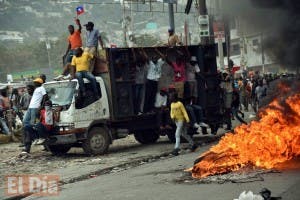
column 58, row 149
column 97, row 141
column 146, row 137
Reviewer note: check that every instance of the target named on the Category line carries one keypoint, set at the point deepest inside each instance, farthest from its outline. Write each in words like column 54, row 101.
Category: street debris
column 264, row 194
column 249, row 196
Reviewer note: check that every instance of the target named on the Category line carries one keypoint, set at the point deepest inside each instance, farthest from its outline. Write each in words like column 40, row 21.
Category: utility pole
column 219, row 39
column 124, row 26
column 202, row 7
column 262, row 52
column 228, row 41
column 48, row 47
column 242, row 45
column 203, row 11
column 171, row 15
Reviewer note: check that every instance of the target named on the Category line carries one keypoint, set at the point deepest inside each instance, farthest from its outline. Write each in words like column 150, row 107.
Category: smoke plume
column 278, row 19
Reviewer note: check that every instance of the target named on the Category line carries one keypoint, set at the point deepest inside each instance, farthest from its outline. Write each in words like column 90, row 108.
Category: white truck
column 94, row 124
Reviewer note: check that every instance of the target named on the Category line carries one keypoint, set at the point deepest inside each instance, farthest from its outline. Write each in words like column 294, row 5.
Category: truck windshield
column 61, row 93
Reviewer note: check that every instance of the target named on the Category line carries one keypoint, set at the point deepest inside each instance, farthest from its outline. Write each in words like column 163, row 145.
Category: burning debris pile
column 272, row 140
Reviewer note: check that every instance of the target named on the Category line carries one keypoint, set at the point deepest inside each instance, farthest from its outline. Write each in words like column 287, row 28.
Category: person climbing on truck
column 179, row 71
column 195, row 113
column 74, row 42
column 81, row 64
column 140, row 80
column 42, row 129
column 153, row 75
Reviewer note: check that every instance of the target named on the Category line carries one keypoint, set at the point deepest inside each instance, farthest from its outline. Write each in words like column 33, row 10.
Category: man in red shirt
column 74, row 42
column 4, row 105
column 179, row 71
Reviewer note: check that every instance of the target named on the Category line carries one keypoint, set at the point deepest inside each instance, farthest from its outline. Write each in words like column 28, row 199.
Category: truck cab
column 87, row 122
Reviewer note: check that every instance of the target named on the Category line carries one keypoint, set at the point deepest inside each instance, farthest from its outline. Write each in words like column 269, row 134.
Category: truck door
column 88, row 108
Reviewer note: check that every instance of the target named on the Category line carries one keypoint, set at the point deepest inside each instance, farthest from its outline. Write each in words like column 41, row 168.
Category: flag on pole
column 79, row 10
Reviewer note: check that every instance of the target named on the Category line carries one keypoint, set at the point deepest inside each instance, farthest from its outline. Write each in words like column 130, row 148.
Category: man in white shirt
column 38, row 97
column 153, row 76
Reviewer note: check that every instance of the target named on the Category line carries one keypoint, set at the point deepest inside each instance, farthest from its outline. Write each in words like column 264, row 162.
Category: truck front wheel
column 146, row 137
column 97, row 141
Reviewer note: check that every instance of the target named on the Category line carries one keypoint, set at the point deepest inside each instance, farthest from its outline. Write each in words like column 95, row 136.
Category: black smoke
column 279, row 20
column 283, row 44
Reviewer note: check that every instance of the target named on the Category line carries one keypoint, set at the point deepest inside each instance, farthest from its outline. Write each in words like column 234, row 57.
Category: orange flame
column 274, row 139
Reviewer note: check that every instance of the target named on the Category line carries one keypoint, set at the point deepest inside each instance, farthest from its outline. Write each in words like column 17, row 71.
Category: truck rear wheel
column 97, row 141
column 58, row 149
column 146, row 137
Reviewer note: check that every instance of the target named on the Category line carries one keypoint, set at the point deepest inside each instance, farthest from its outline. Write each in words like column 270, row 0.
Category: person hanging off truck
column 153, row 66
column 81, row 63
column 43, row 129
column 179, row 71
column 75, row 42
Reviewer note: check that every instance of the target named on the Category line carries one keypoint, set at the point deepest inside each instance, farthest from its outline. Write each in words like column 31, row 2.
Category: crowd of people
column 240, row 93
column 16, row 100
column 174, row 104
column 32, row 107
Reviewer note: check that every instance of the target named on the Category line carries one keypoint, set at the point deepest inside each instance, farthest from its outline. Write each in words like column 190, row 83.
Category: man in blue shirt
column 92, row 37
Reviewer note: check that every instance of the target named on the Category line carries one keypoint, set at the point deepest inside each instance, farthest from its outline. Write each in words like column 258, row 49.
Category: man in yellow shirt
column 180, row 116
column 81, row 62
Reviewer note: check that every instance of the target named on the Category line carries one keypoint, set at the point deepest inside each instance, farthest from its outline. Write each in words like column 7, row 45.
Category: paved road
column 158, row 180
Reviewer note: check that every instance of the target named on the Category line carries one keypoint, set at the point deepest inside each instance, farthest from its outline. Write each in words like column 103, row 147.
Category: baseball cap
column 38, row 80
column 89, row 24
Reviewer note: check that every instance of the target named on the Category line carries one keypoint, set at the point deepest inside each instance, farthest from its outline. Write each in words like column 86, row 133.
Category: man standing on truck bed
column 153, row 76
column 81, row 62
column 140, row 80
column 75, row 42
column 173, row 39
column 92, row 37
column 179, row 71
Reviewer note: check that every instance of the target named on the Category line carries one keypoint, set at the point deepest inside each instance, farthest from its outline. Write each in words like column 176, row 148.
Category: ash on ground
column 242, row 176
